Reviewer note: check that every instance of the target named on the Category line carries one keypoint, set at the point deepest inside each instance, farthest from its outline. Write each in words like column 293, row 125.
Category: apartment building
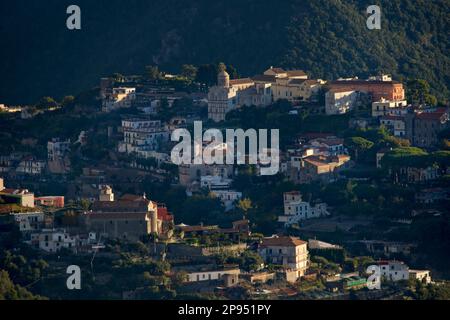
column 141, row 136
column 289, row 252
column 388, row 107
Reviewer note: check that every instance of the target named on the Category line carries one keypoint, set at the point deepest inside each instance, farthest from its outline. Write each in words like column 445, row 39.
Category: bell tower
column 223, row 79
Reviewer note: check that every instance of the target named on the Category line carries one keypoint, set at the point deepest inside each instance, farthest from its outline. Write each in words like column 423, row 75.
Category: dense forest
column 326, row 38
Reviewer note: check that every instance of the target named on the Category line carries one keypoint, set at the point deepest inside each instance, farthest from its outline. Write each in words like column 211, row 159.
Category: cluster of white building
column 57, row 160
column 54, row 240
column 275, row 84
column 317, row 158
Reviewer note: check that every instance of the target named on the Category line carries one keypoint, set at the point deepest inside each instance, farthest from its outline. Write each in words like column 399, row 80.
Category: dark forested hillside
column 328, row 38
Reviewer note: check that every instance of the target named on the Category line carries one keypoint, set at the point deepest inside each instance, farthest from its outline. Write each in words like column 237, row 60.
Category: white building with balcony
column 142, row 135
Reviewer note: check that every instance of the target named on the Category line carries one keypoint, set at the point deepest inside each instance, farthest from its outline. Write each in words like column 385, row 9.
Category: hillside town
column 363, row 181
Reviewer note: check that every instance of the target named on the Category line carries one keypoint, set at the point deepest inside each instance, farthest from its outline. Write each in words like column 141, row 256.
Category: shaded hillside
column 327, row 38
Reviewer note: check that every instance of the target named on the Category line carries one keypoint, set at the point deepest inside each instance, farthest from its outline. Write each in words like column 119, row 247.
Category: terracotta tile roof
column 297, row 81
column 282, row 242
column 121, row 205
column 296, row 73
column 277, row 70
column 241, row 81
column 15, row 191
column 316, row 161
column 264, row 78
column 117, row 215
column 437, row 115
column 340, row 90
column 362, row 82
column 163, row 214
